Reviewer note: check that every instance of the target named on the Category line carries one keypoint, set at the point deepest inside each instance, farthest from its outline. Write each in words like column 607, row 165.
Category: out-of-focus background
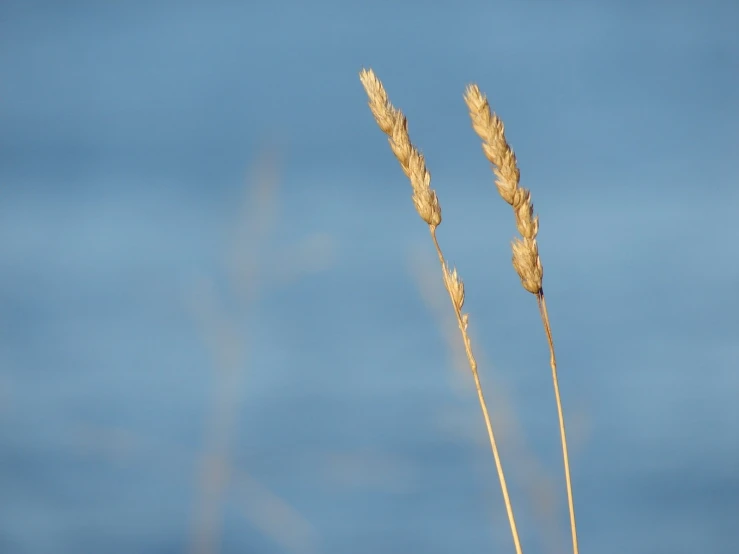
column 222, row 325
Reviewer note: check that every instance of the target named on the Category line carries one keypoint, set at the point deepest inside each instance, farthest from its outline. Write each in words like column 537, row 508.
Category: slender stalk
column 461, row 320
column 394, row 124
column 560, row 413
column 526, row 260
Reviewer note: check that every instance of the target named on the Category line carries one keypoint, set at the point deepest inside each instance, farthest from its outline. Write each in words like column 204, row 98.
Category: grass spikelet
column 394, row 124
column 526, row 259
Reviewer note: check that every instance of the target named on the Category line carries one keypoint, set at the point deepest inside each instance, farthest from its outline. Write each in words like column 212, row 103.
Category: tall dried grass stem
column 394, row 124
column 526, row 259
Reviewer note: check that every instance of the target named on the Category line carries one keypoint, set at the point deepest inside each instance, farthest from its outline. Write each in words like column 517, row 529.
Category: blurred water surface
column 222, row 326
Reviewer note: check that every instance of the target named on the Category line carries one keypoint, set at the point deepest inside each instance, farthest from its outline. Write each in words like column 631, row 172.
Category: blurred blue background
column 222, row 325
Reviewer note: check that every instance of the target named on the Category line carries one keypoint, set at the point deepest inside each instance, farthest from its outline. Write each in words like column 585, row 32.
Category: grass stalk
column 394, row 124
column 526, row 260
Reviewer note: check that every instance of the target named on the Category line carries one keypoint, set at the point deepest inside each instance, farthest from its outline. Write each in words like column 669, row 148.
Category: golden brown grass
column 526, row 260
column 394, row 124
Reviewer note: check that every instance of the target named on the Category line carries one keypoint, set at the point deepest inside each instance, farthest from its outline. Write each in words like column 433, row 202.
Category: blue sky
column 209, row 256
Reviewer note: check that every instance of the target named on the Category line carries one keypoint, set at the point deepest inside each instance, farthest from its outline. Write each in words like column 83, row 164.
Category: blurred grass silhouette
column 222, row 319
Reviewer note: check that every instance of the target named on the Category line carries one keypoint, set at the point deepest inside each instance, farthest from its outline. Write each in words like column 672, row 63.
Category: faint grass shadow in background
column 223, row 316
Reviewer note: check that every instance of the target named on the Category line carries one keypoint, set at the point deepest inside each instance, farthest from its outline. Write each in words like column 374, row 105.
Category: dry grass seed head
column 491, row 130
column 395, row 125
column 526, row 222
column 527, row 264
column 455, row 286
column 400, row 142
column 382, row 109
column 507, row 173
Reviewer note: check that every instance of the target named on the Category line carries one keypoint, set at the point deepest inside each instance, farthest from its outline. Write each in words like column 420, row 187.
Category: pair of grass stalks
column 526, row 260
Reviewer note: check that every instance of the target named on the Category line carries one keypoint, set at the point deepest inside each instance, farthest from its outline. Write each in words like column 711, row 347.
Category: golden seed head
column 400, row 142
column 455, row 286
column 527, row 264
column 465, row 321
column 395, row 125
column 526, row 222
column 427, row 206
column 383, row 111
